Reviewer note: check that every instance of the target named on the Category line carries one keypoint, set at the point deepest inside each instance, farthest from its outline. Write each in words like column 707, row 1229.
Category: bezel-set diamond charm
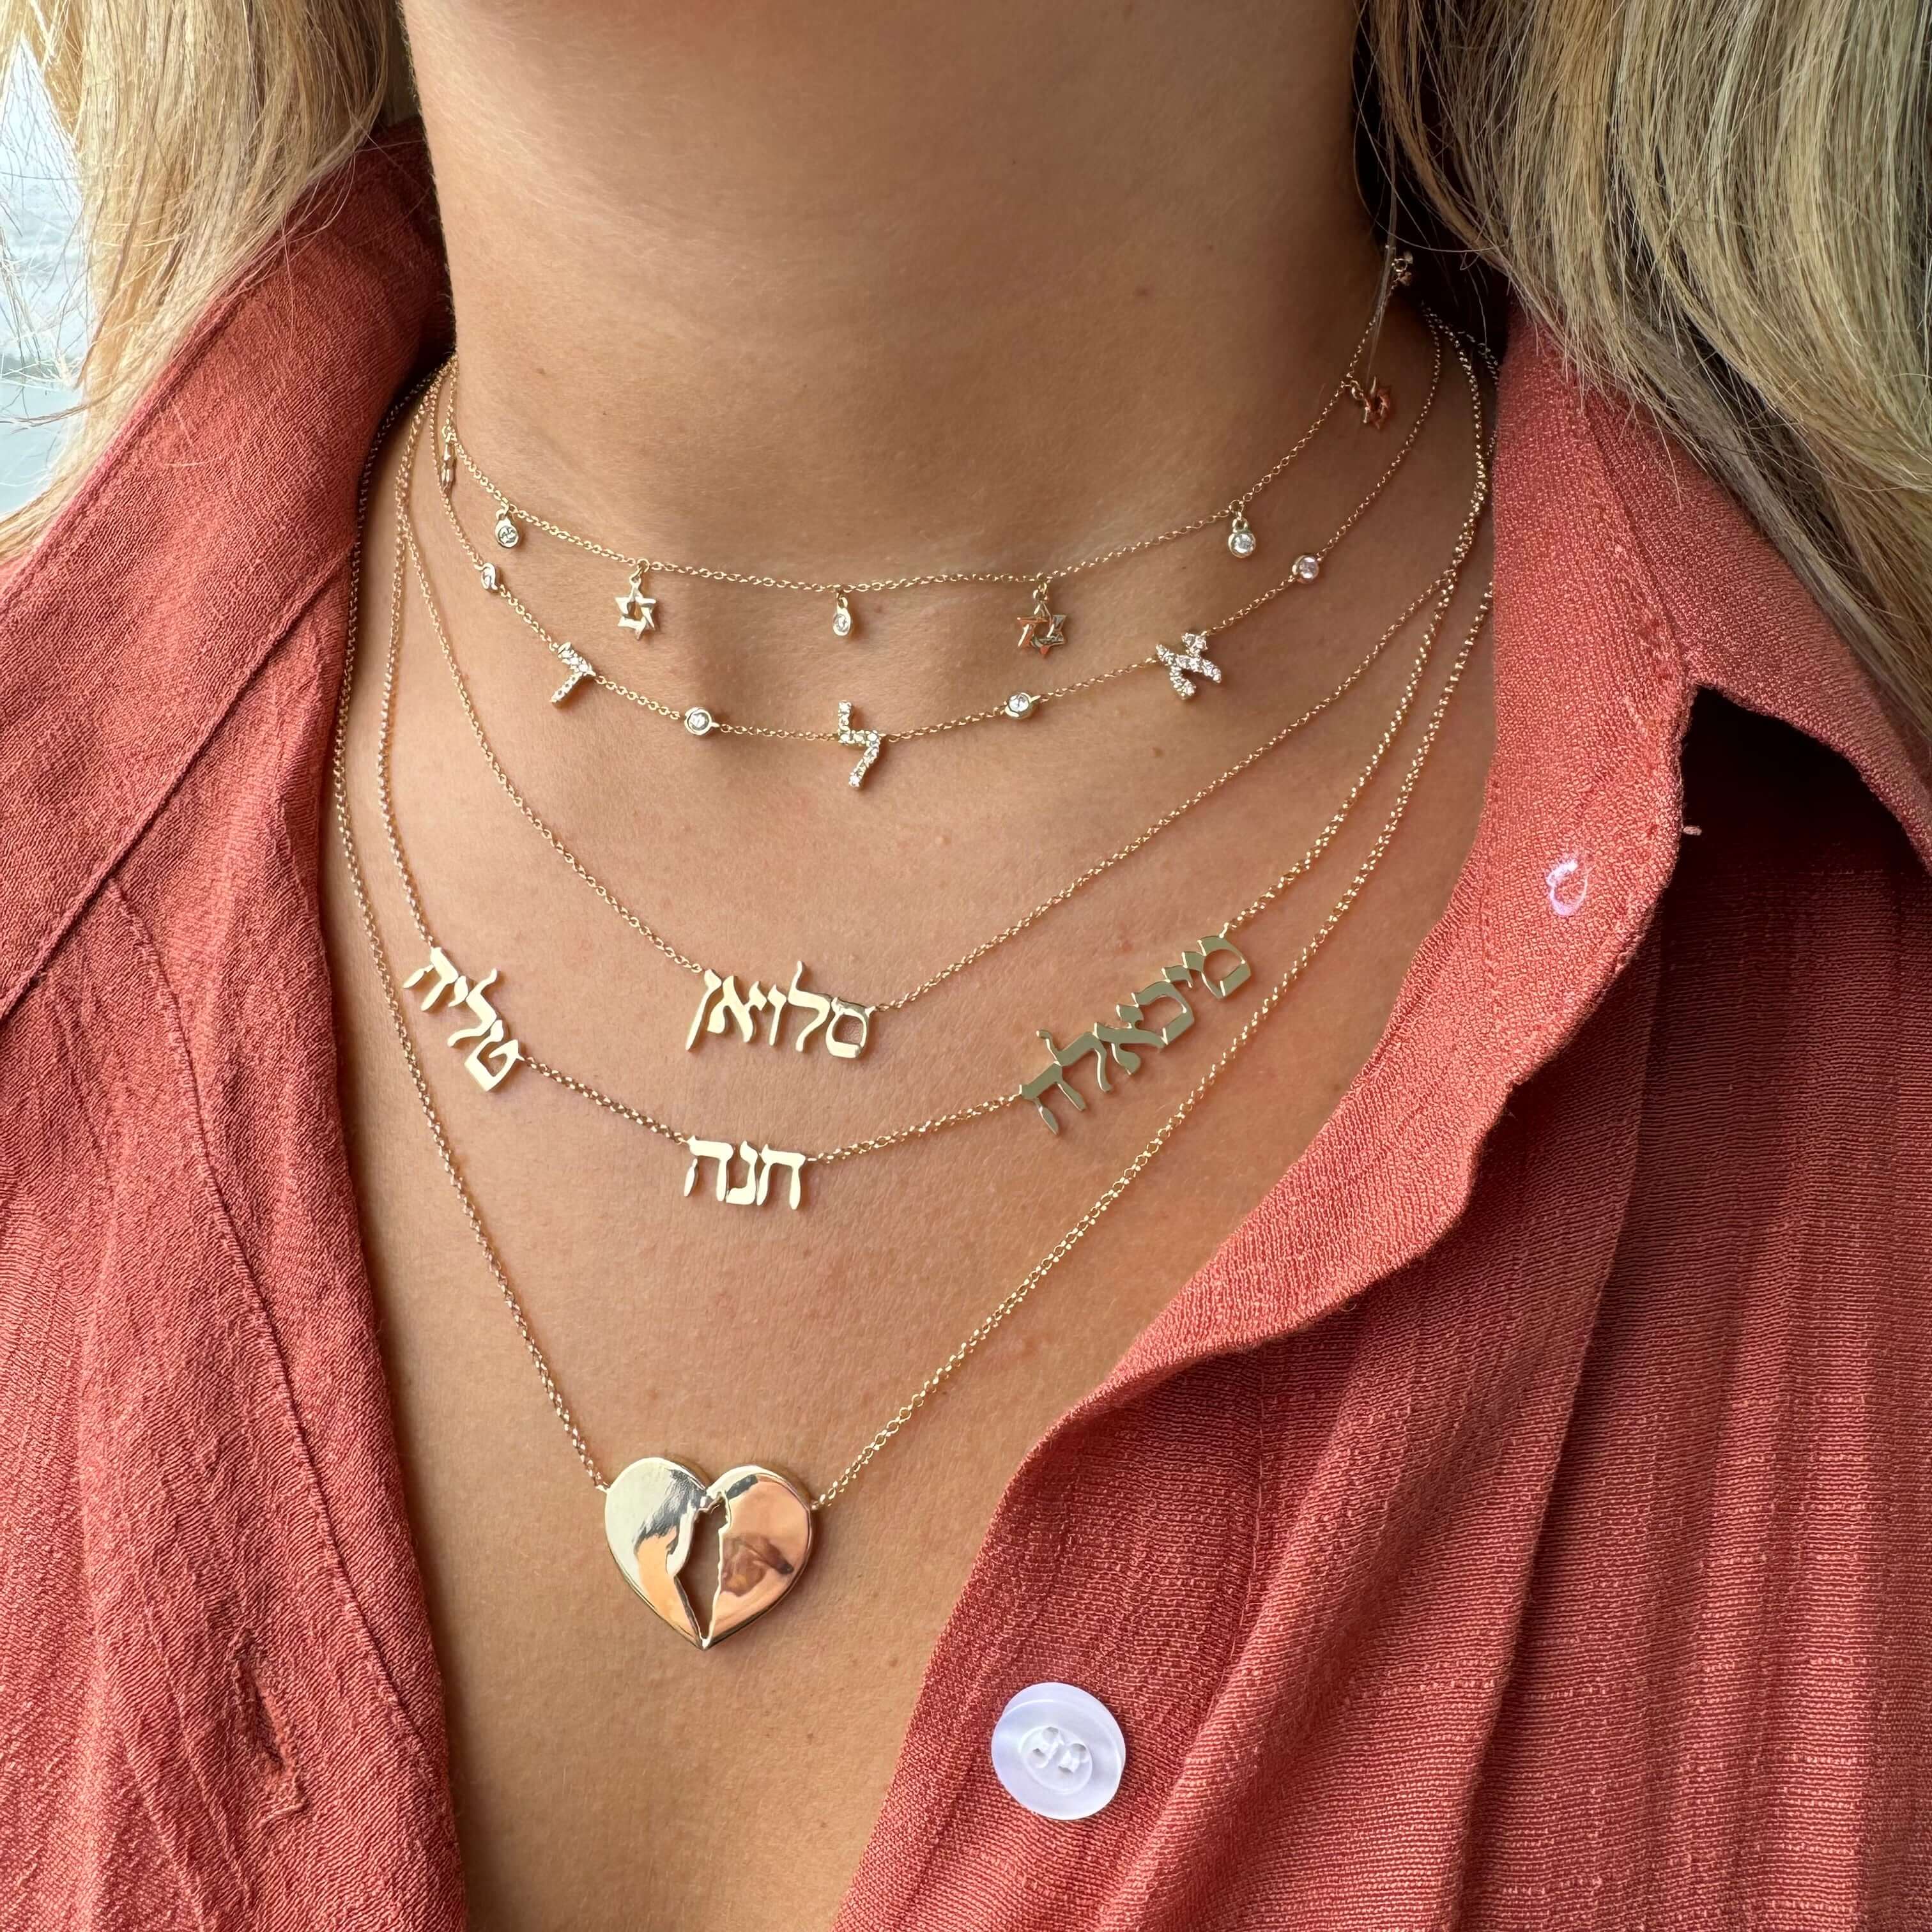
column 699, row 722
column 843, row 621
column 1307, row 569
column 1022, row 704
column 1241, row 539
column 507, row 534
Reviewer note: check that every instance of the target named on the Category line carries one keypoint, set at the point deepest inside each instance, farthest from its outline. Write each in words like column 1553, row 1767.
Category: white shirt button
column 1058, row 1751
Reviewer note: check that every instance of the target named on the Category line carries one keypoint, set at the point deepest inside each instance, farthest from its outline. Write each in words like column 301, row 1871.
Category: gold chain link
column 386, row 979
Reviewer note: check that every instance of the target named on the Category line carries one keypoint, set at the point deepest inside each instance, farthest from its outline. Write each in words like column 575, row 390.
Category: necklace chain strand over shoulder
column 1041, row 629
column 652, row 1506
column 1182, row 663
column 722, row 1005
column 493, row 1057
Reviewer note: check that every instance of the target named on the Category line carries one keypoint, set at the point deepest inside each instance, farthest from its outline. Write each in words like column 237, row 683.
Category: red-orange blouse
column 1568, row 1406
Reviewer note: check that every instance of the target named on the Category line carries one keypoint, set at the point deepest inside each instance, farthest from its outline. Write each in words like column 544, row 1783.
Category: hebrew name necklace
column 652, row 1508
column 493, row 1055
column 1182, row 663
column 1042, row 629
column 843, row 1026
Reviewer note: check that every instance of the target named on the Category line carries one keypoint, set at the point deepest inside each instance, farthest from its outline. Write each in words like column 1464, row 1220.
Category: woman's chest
column 599, row 1759
column 895, row 1333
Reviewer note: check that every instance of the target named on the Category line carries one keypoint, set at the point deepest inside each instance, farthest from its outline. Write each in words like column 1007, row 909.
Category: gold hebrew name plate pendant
column 1118, row 1043
column 651, row 1514
column 721, row 1007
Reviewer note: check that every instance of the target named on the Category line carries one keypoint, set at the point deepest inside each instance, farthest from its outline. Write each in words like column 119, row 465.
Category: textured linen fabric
column 1565, row 1409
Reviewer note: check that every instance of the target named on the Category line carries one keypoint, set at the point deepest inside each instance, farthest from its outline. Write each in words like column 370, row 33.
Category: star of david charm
column 1045, row 627
column 637, row 613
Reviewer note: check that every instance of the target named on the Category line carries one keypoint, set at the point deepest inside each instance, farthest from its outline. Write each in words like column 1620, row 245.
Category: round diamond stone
column 697, row 720
column 1021, row 704
column 1241, row 539
column 1308, row 568
column 842, row 619
column 508, row 535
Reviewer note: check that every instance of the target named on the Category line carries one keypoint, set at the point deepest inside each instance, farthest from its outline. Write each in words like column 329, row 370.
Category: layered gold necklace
column 1041, row 628
column 653, row 1505
column 1186, row 663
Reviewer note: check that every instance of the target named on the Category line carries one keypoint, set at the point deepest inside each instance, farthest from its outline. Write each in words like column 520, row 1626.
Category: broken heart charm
column 650, row 1517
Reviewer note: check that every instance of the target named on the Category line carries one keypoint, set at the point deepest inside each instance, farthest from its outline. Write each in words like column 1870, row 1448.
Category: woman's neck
column 856, row 289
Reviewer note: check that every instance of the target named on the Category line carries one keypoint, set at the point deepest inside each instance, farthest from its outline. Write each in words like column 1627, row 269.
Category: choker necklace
column 1183, row 663
column 652, row 1507
column 1041, row 627
column 844, row 1027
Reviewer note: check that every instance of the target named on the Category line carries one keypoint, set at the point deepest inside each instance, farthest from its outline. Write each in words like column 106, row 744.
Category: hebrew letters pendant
column 650, row 1517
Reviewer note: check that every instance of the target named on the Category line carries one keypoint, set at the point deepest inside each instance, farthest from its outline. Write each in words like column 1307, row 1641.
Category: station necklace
column 1186, row 664
column 1041, row 628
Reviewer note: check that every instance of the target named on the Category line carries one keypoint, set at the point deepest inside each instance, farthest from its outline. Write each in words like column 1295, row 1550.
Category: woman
column 1360, row 1042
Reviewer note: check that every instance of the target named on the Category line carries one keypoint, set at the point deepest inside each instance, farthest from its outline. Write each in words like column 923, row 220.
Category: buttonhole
column 261, row 1725
column 1567, row 884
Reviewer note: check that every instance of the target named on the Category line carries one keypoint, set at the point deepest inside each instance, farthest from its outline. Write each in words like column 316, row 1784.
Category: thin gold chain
column 386, row 979
column 649, row 1123
column 996, row 1317
column 1069, row 1241
column 648, row 566
column 1443, row 584
column 672, row 714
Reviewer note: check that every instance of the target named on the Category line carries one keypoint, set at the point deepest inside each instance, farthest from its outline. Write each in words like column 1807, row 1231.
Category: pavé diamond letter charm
column 849, row 733
column 1192, row 656
column 650, row 1518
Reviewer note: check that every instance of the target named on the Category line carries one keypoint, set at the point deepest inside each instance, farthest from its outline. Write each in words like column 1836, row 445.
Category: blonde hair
column 1722, row 208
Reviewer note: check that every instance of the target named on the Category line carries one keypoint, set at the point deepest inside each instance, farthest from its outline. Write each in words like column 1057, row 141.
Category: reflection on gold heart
column 650, row 1516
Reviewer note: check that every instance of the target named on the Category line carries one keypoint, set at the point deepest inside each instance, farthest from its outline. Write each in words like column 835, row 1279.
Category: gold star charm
column 1045, row 628
column 637, row 613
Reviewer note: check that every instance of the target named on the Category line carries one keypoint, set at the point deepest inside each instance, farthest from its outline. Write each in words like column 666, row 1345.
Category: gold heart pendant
column 650, row 1517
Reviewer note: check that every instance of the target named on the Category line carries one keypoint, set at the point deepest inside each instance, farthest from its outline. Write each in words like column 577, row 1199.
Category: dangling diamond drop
column 1241, row 535
column 507, row 534
column 842, row 620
